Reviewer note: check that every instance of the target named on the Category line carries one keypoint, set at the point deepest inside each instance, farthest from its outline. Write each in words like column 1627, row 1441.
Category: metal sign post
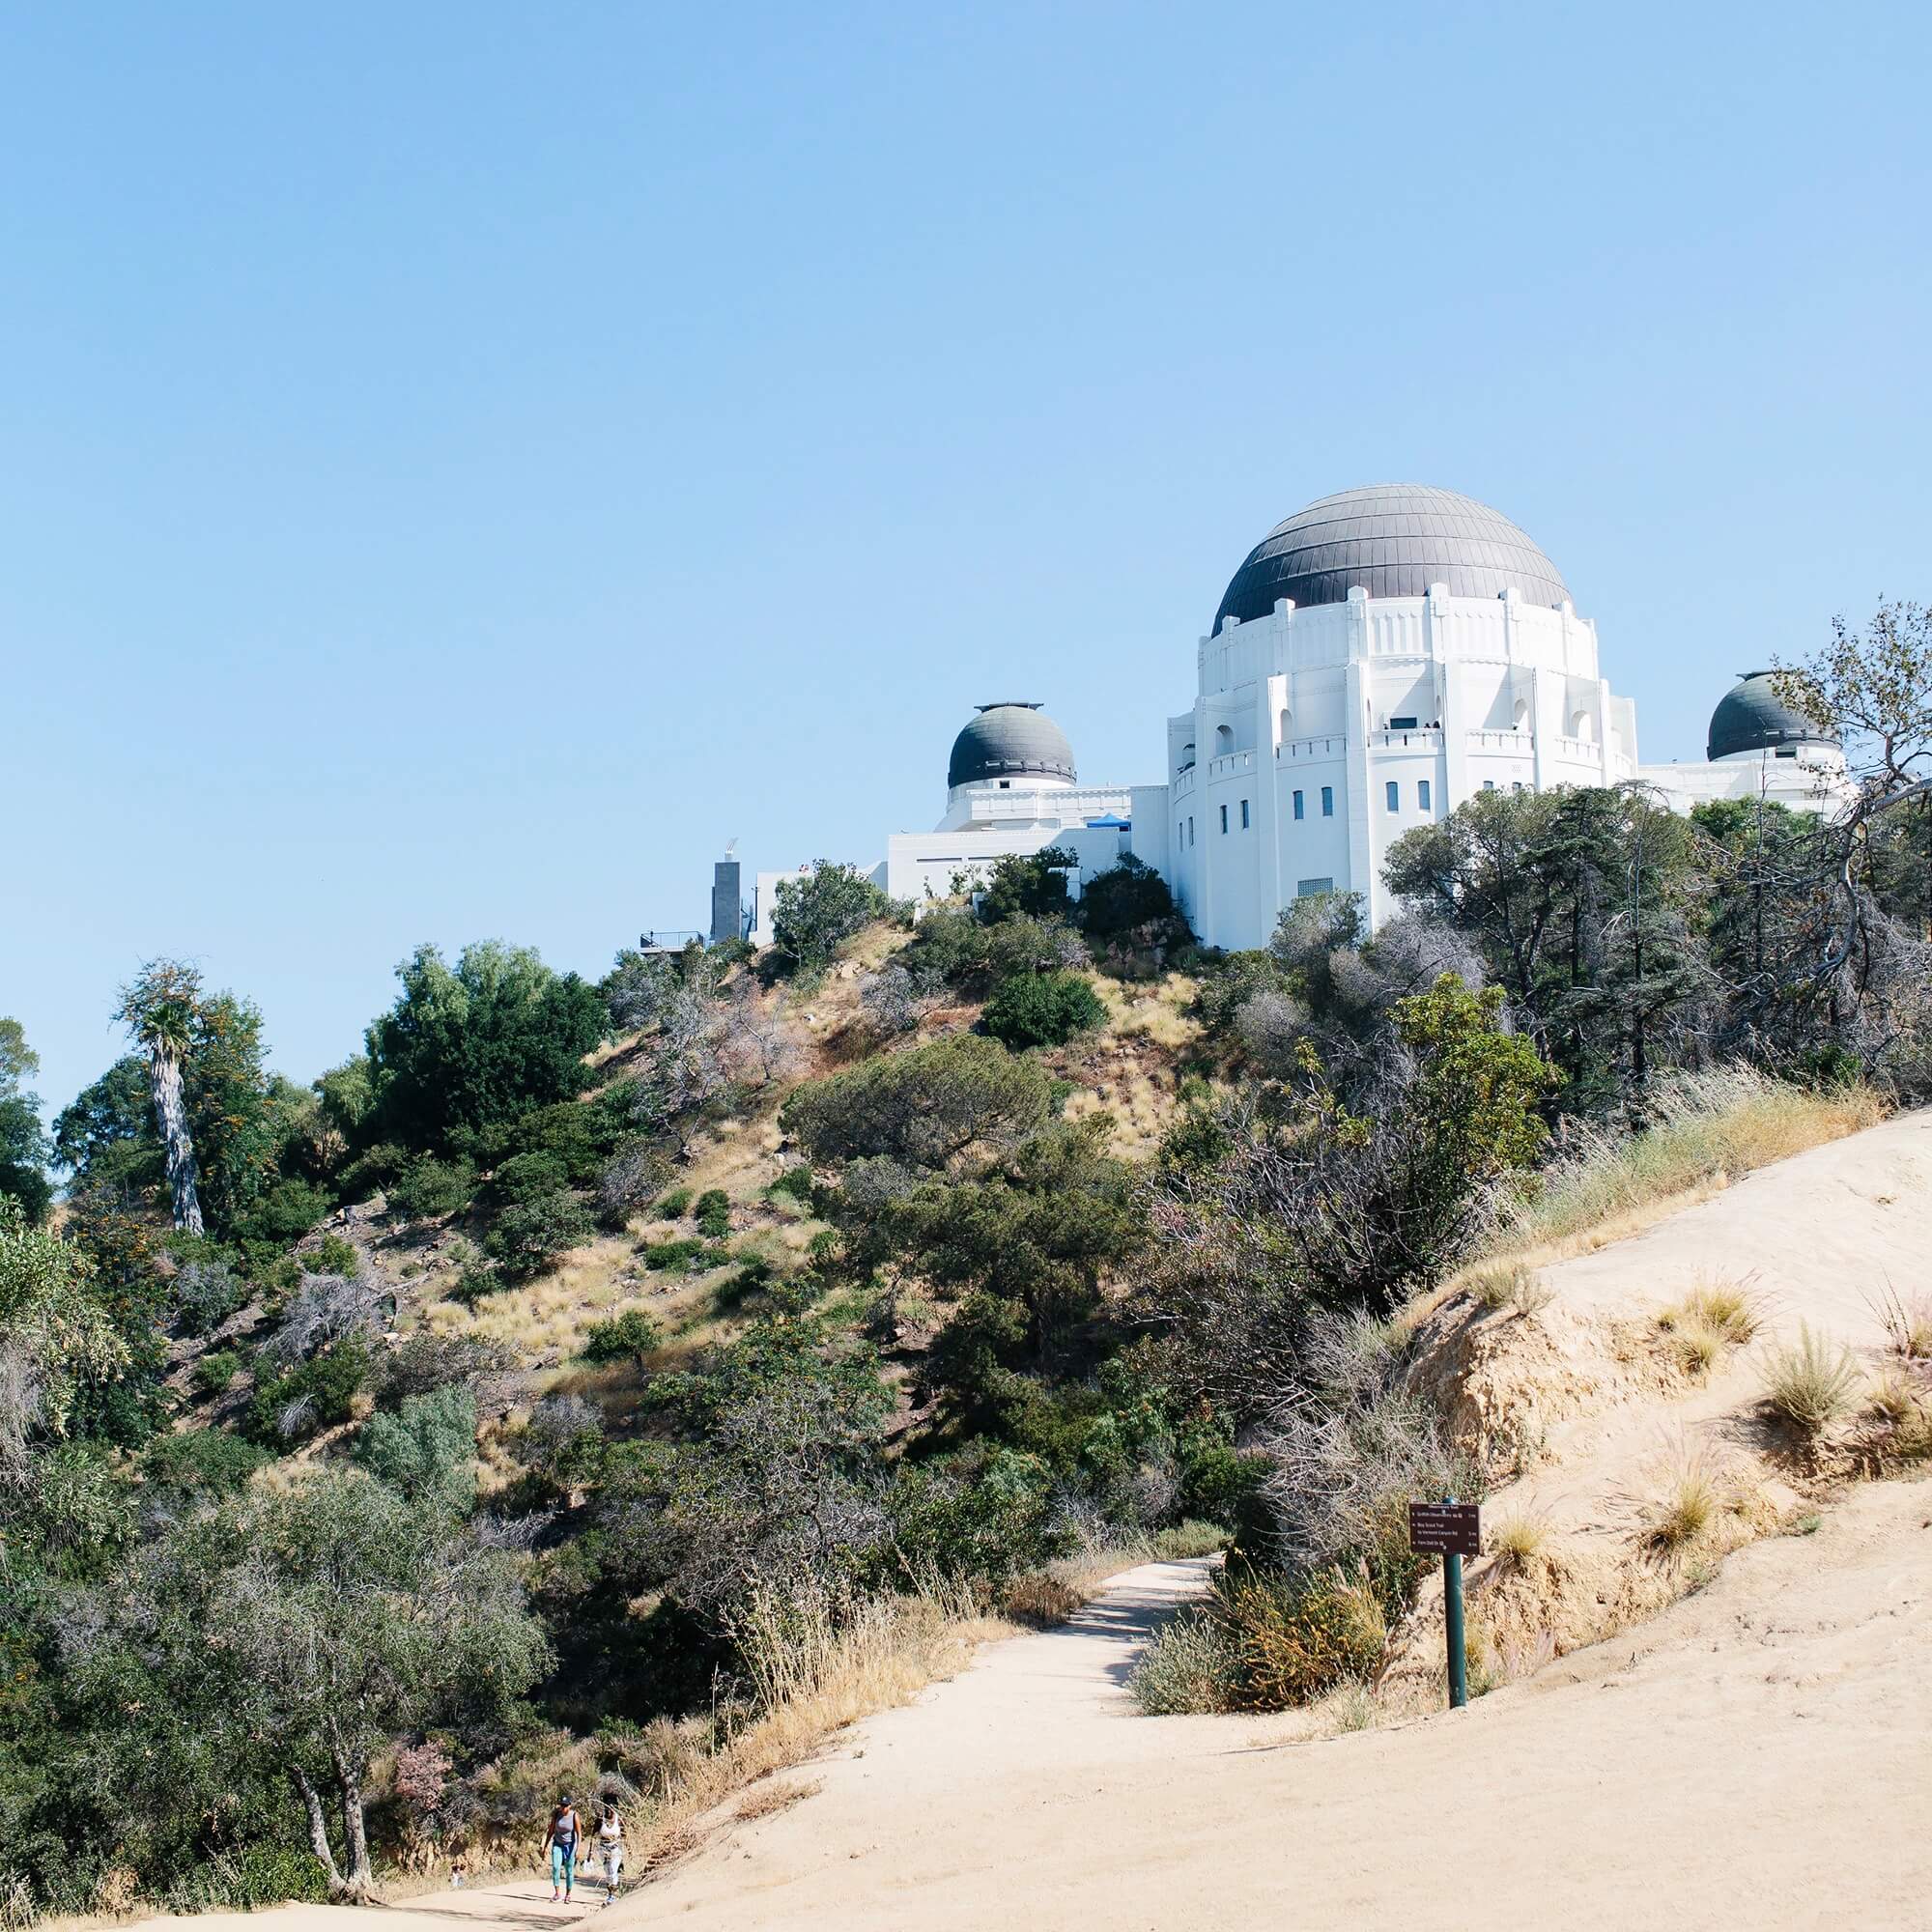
column 1451, row 1530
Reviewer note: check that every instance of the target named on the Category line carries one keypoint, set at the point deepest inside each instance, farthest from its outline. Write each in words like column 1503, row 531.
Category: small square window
column 1005, row 785
column 1517, row 785
column 1393, row 793
column 1488, row 784
column 1244, row 814
column 1298, row 802
column 1421, row 794
column 1327, row 801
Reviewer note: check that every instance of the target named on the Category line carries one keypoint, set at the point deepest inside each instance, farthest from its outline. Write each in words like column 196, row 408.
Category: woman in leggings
column 560, row 1841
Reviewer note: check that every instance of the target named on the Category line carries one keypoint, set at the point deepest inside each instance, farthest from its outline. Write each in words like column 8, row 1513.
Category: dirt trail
column 1757, row 1754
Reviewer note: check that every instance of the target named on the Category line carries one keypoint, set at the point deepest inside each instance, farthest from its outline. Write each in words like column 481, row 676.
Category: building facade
column 1377, row 659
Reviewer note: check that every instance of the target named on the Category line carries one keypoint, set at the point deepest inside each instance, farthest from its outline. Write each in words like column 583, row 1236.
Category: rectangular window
column 1401, row 724
column 1306, row 889
column 1190, row 831
column 1488, row 784
column 1421, row 794
column 1327, row 806
column 1244, row 814
column 1224, row 818
column 1393, row 792
column 1517, row 786
column 1297, row 804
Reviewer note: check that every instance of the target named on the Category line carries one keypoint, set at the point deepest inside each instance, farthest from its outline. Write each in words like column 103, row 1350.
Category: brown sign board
column 1445, row 1529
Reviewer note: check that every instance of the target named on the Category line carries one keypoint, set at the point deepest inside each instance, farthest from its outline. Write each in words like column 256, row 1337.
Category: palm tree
column 159, row 1009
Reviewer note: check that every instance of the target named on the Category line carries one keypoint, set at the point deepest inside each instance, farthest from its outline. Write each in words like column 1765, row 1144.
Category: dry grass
column 1907, row 1324
column 1810, row 1383
column 1518, row 1541
column 1726, row 1308
column 1708, row 1129
column 1687, row 1503
column 1894, row 1396
column 1699, row 1498
column 767, row 1800
column 1509, row 1285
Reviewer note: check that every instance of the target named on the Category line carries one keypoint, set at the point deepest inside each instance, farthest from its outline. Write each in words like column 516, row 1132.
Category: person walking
column 610, row 1843
column 560, row 1843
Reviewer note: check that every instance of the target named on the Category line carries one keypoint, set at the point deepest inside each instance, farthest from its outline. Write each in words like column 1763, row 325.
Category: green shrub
column 674, row 1205
column 426, row 1449
column 528, row 1177
column 287, row 1211
column 816, row 913
column 216, row 1371
column 683, row 1254
column 795, row 1181
column 190, row 1463
column 332, row 1254
column 1187, row 1669
column 206, row 1291
column 1026, row 885
column 426, row 1362
column 316, row 1396
column 1289, row 1640
column 1043, row 1010
column 529, row 1235
column 1130, row 895
column 375, row 1170
column 630, row 1336
column 429, row 1188
column 713, row 1213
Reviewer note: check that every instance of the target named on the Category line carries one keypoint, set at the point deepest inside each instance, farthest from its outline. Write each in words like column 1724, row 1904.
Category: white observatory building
column 1377, row 659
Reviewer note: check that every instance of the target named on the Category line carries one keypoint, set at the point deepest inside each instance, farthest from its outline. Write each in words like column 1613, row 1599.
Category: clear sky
column 464, row 462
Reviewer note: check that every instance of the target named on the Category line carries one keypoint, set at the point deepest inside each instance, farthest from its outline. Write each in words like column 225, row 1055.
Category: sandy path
column 1758, row 1754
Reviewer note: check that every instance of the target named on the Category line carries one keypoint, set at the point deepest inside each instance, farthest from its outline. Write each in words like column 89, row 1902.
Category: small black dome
column 1009, row 741
column 1751, row 717
column 1395, row 540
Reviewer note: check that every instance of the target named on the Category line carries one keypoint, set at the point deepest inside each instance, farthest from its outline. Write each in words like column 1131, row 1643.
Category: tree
column 290, row 1635
column 469, row 1048
column 1032, row 884
column 25, row 1150
column 427, row 1449
column 817, row 912
column 1125, row 896
column 159, row 1009
column 924, row 1107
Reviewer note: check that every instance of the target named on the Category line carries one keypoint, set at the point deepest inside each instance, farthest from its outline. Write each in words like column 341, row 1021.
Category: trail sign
column 1445, row 1529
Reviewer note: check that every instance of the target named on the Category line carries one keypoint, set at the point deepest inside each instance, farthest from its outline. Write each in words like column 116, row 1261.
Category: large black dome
column 1751, row 717
column 1009, row 741
column 1395, row 540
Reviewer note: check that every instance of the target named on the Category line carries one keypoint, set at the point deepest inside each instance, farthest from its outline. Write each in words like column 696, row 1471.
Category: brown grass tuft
column 1907, row 1324
column 768, row 1798
column 1810, row 1383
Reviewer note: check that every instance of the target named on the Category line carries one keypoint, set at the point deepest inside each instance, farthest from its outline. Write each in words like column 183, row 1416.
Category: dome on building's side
column 1751, row 717
column 1393, row 540
column 1009, row 741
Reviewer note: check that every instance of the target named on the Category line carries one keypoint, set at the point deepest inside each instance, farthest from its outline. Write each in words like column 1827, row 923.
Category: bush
column 1130, row 895
column 630, row 1336
column 1043, row 1010
column 1028, row 884
column 426, row 1450
column 529, row 1235
column 688, row 1256
column 674, row 1205
column 427, row 1361
column 796, row 1183
column 713, row 1213
column 331, row 1255
column 206, row 1293
column 525, row 1177
column 1187, row 1669
column 429, row 1188
column 922, row 1107
column 1291, row 1640
column 216, row 1371
column 194, row 1462
column 287, row 1211
column 313, row 1397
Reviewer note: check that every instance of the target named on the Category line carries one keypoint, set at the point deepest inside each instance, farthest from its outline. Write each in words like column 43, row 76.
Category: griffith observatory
column 1379, row 658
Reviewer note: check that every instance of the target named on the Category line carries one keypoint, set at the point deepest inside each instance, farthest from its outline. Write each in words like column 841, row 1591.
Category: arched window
column 1285, row 721
column 1522, row 714
column 1224, row 741
column 1186, row 757
column 1582, row 725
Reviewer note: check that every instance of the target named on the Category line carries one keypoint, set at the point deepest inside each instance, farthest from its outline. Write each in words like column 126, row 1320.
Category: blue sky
column 466, row 462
